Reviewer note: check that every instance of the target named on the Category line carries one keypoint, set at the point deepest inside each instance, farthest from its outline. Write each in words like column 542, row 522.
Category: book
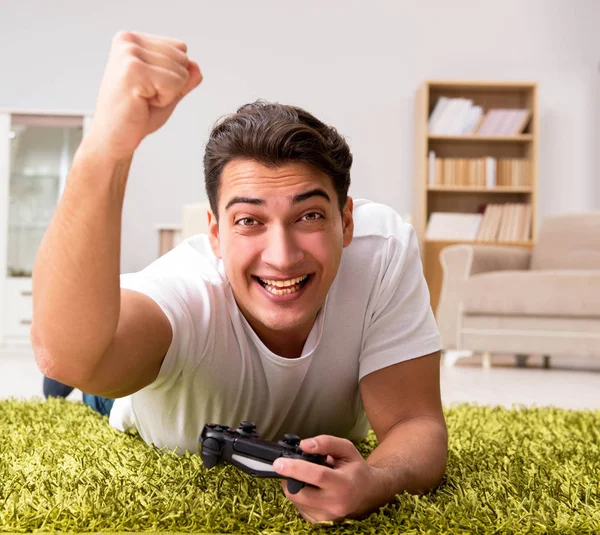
column 506, row 222
column 521, row 119
column 431, row 168
column 453, row 226
column 450, row 116
column 473, row 118
column 490, row 172
column 438, row 109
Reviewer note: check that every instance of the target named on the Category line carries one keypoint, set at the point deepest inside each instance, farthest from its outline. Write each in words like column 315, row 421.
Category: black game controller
column 243, row 448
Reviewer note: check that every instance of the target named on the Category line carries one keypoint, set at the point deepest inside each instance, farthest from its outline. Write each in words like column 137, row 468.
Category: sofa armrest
column 461, row 261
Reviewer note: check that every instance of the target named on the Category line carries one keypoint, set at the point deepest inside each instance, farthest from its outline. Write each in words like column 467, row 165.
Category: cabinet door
column 18, row 307
column 36, row 152
column 41, row 151
column 4, row 180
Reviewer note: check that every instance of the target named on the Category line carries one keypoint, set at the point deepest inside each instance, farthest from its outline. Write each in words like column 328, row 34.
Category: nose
column 281, row 250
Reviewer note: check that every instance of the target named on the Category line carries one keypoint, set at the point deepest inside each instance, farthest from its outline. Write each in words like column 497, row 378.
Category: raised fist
column 145, row 78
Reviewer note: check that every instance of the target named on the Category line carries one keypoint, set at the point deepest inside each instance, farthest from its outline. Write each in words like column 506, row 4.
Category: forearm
column 411, row 457
column 76, row 290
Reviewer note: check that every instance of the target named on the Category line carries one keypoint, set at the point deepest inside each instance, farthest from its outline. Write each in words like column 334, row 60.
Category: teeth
column 282, row 284
column 283, row 287
column 283, row 291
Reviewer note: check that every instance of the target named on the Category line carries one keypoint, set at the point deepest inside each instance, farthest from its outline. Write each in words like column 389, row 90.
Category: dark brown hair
column 274, row 134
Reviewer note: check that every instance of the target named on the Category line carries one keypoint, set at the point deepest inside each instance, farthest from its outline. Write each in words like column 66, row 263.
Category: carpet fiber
column 62, row 468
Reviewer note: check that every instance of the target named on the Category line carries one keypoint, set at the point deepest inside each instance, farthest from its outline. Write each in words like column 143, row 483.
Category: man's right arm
column 86, row 331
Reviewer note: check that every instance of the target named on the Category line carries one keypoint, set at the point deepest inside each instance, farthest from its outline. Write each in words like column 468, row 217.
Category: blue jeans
column 54, row 388
column 98, row 403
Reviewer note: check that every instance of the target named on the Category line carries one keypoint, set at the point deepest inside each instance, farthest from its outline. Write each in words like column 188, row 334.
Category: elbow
column 55, row 364
column 42, row 356
column 44, row 359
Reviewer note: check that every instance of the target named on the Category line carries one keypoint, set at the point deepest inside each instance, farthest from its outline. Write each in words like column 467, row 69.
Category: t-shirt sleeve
column 188, row 302
column 167, row 300
column 402, row 325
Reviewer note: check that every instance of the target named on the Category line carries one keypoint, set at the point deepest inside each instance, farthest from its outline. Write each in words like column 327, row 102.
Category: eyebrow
column 317, row 192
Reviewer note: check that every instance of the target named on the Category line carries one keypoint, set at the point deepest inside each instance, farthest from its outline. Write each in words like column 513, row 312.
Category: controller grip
column 211, row 452
column 294, row 486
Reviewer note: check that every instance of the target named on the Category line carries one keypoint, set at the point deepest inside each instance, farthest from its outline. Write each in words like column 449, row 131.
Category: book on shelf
column 508, row 222
column 478, row 172
column 460, row 116
column 505, row 122
column 490, row 172
column 452, row 226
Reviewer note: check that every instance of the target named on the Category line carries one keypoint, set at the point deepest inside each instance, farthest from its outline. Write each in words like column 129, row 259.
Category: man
column 302, row 311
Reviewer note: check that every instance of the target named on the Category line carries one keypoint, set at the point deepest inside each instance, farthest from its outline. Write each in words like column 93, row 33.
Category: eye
column 311, row 216
column 246, row 222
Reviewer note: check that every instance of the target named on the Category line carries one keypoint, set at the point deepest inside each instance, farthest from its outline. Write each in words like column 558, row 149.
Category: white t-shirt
column 217, row 370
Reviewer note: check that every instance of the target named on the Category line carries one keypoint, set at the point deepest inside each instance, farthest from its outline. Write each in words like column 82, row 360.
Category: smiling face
column 280, row 235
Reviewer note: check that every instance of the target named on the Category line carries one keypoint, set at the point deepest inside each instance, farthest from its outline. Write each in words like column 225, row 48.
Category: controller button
column 220, row 428
column 291, row 439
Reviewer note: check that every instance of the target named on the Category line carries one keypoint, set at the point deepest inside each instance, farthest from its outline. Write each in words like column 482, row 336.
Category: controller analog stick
column 294, row 486
column 291, row 440
column 247, row 427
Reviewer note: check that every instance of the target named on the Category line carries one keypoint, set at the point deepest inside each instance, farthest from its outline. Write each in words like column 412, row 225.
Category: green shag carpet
column 62, row 468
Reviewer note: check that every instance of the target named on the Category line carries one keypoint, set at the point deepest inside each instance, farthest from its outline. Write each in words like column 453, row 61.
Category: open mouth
column 283, row 287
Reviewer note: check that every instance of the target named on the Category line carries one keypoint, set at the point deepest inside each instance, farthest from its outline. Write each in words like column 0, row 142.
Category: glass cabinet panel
column 41, row 152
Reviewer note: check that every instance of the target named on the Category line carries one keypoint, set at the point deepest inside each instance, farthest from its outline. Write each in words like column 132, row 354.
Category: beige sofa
column 510, row 300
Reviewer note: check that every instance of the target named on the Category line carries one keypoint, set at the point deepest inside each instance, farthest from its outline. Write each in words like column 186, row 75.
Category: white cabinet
column 36, row 151
column 18, row 307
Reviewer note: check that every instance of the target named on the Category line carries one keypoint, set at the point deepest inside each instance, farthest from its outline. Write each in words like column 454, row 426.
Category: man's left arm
column 404, row 408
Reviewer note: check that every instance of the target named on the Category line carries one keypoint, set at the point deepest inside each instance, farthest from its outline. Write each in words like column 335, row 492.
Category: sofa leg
column 546, row 364
column 486, row 360
column 452, row 355
column 521, row 360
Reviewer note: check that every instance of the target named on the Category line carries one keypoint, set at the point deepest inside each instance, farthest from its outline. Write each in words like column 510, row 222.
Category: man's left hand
column 347, row 489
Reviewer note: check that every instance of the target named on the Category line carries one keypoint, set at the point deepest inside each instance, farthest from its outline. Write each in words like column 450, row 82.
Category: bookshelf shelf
column 520, row 243
column 462, row 86
column 479, row 138
column 479, row 189
column 462, row 184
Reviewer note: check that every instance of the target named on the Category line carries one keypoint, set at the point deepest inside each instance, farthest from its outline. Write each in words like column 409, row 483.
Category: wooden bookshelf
column 477, row 138
column 479, row 189
column 464, row 198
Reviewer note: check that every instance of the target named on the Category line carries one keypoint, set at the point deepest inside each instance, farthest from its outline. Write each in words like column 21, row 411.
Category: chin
column 283, row 325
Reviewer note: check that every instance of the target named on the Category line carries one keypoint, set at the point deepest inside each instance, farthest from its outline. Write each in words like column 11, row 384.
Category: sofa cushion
column 534, row 293
column 568, row 241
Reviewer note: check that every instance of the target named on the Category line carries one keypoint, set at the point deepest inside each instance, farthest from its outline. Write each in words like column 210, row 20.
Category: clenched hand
column 145, row 78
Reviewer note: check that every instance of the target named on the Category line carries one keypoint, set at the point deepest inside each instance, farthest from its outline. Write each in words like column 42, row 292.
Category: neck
column 285, row 343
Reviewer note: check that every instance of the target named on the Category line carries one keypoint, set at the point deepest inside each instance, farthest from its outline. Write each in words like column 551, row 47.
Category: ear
column 213, row 234
column 348, row 222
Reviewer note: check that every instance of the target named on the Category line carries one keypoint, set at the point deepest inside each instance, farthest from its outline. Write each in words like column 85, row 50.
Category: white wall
column 353, row 64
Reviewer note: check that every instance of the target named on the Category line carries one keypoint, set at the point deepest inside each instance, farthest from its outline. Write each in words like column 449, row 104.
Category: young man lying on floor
column 302, row 311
